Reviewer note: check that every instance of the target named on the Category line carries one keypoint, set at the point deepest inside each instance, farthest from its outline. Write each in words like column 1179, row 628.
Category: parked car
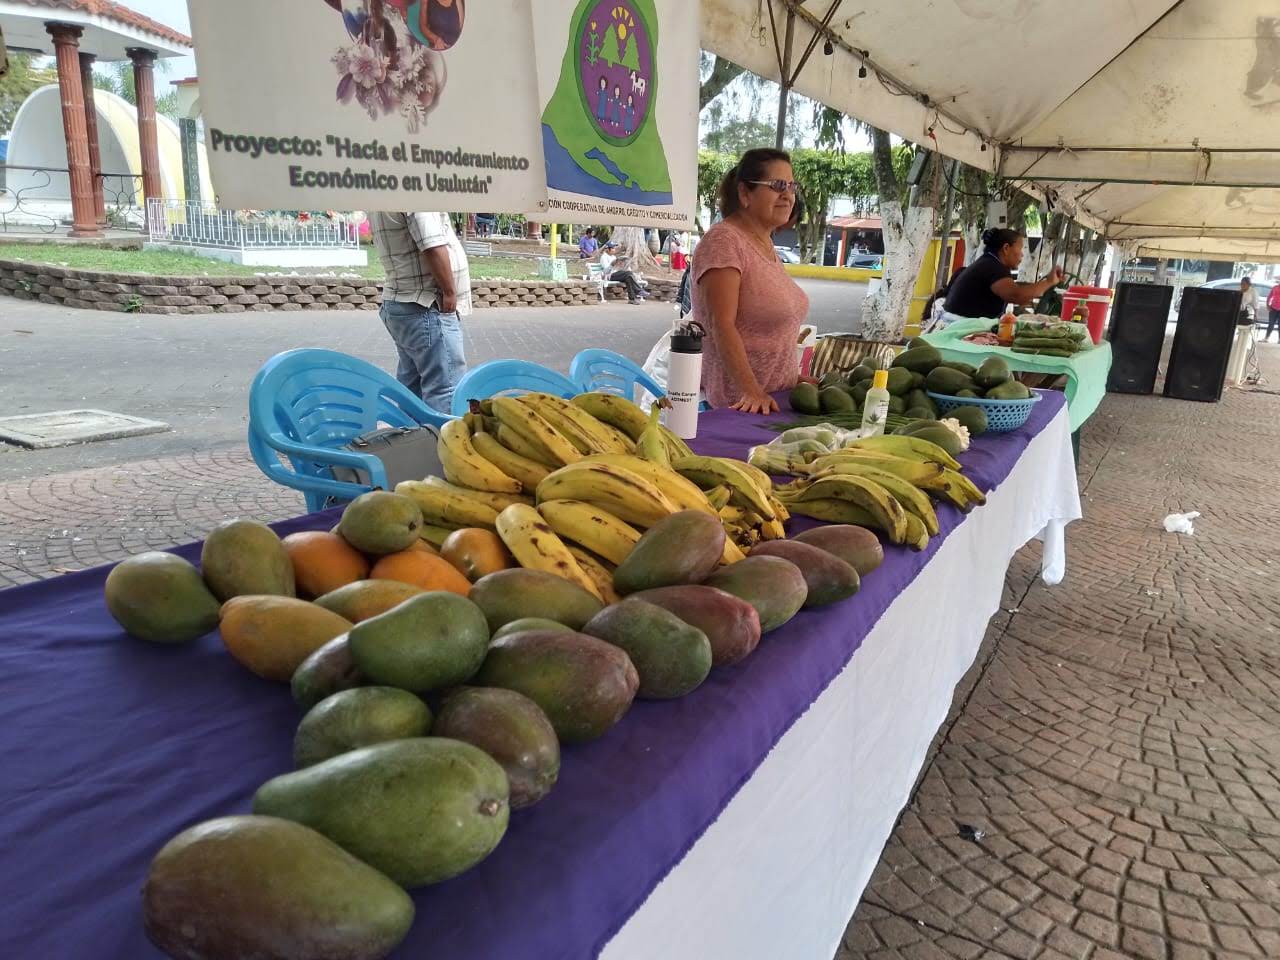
column 1263, row 290
column 866, row 261
column 787, row 255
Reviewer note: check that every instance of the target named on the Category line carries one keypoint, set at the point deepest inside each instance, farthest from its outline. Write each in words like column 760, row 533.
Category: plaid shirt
column 401, row 239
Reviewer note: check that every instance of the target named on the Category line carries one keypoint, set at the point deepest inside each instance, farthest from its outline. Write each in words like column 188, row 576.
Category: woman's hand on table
column 756, row 401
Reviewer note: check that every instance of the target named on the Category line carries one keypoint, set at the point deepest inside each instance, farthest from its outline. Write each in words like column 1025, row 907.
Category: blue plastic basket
column 1002, row 415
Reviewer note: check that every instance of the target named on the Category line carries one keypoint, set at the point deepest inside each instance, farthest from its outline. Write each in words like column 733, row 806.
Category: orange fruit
column 476, row 552
column 421, row 569
column 422, row 546
column 323, row 562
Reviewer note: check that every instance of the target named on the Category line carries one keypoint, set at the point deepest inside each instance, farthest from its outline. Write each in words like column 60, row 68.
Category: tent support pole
column 784, row 71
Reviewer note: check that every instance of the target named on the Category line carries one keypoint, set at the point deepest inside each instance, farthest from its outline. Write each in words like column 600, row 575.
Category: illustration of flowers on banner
column 600, row 131
column 395, row 62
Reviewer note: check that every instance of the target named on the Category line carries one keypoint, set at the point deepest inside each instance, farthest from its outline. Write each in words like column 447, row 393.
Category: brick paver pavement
column 1107, row 785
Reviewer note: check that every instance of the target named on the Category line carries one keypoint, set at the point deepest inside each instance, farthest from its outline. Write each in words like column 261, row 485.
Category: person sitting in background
column 609, row 264
column 984, row 287
column 588, row 245
column 1248, row 301
column 749, row 307
column 485, row 223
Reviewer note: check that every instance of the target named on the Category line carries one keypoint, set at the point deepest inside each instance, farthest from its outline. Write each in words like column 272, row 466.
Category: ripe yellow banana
column 683, row 493
column 779, row 508
column 912, row 498
column 465, row 467
column 604, row 438
column 773, row 530
column 597, row 571
column 743, row 485
column 589, row 526
column 966, row 486
column 528, row 423
column 843, row 511
column 917, row 536
column 918, row 474
column 739, row 516
column 718, row 497
column 447, row 508
column 732, row 552
column 872, row 497
column 651, row 445
column 536, row 546
column 530, row 473
column 518, row 445
column 614, row 410
column 499, row 501
column 582, row 442
column 907, row 446
column 676, row 447
column 622, row 492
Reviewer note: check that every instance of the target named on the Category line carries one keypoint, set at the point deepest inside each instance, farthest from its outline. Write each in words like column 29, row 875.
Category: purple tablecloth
column 112, row 746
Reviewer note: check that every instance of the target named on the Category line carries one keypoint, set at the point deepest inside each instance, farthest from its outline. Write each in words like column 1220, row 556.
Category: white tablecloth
column 778, row 875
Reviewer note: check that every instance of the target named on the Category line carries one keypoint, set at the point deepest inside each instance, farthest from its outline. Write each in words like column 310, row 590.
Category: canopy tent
column 1148, row 120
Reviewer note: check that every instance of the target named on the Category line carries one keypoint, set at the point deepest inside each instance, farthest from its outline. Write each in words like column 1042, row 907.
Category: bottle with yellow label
column 875, row 408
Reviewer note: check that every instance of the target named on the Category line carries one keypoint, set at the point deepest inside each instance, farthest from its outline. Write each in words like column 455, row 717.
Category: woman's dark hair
column 997, row 238
column 751, row 166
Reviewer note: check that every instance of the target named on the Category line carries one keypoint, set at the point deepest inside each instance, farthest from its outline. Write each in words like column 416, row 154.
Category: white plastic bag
column 1181, row 522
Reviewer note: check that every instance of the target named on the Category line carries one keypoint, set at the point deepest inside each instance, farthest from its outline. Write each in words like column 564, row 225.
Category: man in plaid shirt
column 425, row 295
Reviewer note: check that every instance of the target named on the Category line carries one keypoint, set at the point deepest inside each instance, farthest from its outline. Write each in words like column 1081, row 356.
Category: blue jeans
column 430, row 347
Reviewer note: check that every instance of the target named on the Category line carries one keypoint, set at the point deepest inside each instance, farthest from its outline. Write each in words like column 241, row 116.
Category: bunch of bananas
column 570, row 485
column 884, row 483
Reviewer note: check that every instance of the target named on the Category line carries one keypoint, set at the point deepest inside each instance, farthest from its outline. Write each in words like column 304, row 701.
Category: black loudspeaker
column 1202, row 344
column 1136, row 332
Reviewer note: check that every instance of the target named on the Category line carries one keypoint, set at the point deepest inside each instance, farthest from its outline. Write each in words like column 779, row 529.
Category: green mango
column 682, row 548
column 514, row 594
column 512, row 729
column 947, row 381
column 774, row 586
column 420, row 810
column 671, row 657
column 968, row 394
column 921, row 413
column 835, row 400
column 859, row 373
column 251, row 886
column 897, row 405
column 804, row 399
column 528, row 623
column 856, row 546
column 900, row 381
column 968, row 369
column 245, row 557
column 732, row 625
column 326, row 672
column 1009, row 390
column 158, row 596
column 583, row 684
column 828, row 578
column 919, row 359
column 859, row 393
column 351, row 719
column 992, row 372
column 429, row 642
column 972, row 418
column 380, row 522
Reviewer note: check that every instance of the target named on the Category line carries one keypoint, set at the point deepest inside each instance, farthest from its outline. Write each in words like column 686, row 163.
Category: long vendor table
column 741, row 821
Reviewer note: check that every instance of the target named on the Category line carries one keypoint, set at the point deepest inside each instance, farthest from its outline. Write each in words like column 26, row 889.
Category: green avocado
column 804, row 399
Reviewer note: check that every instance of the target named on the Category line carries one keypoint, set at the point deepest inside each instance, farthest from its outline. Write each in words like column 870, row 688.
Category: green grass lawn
column 167, row 263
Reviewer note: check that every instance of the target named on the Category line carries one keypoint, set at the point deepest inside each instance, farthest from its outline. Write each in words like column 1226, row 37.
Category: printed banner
column 619, row 97
column 370, row 104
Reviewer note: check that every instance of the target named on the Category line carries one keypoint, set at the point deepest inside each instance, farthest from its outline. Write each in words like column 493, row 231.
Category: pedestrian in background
column 1248, row 301
column 588, row 245
column 424, row 297
column 1273, row 315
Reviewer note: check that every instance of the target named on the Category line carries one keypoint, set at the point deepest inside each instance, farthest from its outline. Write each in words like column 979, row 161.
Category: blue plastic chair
column 610, row 372
column 499, row 377
column 306, row 404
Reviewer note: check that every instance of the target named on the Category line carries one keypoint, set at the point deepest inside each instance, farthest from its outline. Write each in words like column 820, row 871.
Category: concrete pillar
column 66, row 44
column 190, row 159
column 91, row 128
column 144, row 82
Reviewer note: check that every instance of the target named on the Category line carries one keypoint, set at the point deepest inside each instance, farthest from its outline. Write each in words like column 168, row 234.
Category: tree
column 712, row 168
column 118, row 79
column 739, row 135
column 824, row 175
column 719, row 74
column 631, row 58
column 22, row 80
column 610, row 53
column 907, row 227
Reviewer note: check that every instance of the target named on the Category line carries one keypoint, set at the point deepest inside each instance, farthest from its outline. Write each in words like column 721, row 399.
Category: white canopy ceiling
column 1147, row 118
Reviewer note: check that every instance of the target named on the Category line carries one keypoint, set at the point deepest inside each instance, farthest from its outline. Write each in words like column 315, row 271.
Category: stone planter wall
column 141, row 293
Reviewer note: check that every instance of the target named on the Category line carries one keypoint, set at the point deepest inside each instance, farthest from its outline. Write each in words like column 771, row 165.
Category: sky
column 172, row 13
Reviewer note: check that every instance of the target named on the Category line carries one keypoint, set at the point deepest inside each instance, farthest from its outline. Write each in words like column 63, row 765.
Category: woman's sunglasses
column 778, row 186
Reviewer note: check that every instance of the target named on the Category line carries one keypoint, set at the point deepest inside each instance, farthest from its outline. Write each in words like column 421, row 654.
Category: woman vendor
column 749, row 307
column 984, row 287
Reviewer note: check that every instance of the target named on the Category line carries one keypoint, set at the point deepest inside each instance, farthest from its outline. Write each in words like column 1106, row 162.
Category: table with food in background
column 1086, row 369
column 742, row 819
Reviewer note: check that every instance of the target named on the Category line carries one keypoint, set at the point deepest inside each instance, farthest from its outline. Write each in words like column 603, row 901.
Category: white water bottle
column 684, row 380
